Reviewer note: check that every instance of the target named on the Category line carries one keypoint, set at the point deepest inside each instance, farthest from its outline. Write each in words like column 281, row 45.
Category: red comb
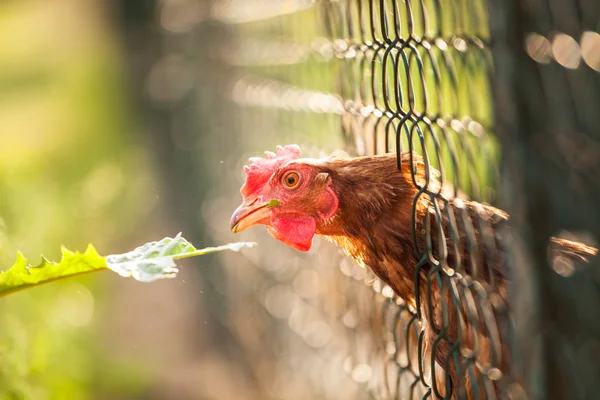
column 260, row 169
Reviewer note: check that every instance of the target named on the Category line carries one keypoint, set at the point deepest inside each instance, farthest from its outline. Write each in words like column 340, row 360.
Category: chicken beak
column 247, row 215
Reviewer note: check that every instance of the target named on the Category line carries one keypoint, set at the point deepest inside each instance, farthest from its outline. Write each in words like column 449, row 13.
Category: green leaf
column 22, row 276
column 273, row 203
column 147, row 263
column 156, row 260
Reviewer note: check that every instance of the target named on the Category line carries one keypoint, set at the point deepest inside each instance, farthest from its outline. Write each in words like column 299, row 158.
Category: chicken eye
column 291, row 179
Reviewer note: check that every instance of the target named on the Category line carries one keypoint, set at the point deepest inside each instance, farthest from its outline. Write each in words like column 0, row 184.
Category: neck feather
column 373, row 222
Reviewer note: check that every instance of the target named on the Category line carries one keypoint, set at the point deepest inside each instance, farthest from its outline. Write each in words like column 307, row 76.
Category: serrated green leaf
column 147, row 263
column 22, row 275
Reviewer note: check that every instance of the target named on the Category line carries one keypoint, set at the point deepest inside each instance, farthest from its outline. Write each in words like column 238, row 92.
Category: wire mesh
column 401, row 77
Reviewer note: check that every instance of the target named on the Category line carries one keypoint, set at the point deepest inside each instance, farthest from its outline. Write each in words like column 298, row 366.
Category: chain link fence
column 408, row 77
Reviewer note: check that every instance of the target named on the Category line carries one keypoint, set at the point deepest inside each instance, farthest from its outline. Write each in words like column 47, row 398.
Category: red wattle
column 294, row 231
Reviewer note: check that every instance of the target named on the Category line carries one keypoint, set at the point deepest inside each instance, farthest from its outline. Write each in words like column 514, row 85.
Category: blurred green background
column 111, row 132
column 71, row 172
column 125, row 121
column 117, row 127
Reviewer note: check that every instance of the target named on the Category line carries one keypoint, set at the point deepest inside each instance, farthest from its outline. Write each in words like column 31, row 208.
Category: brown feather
column 374, row 225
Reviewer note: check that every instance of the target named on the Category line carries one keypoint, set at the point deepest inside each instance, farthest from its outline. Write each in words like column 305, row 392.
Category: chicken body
column 446, row 259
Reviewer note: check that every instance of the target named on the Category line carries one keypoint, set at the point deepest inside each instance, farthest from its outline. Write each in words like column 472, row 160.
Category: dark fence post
column 547, row 103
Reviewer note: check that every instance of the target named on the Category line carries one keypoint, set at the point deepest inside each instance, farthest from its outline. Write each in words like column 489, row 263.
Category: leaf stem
column 208, row 250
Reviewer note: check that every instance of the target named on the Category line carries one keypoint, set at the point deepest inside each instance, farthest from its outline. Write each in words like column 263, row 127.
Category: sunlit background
column 122, row 122
column 115, row 129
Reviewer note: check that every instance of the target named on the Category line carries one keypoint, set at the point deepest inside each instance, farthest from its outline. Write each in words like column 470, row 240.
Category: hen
column 369, row 207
